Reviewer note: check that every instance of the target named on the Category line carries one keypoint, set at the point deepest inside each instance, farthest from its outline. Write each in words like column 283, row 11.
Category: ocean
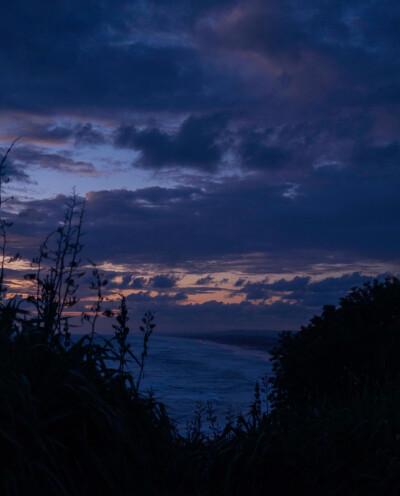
column 182, row 372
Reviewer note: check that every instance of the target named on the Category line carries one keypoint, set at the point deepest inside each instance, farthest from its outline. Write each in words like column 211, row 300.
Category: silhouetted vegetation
column 334, row 427
column 73, row 421
column 71, row 418
column 342, row 353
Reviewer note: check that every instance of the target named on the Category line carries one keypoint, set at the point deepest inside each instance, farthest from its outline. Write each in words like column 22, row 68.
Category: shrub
column 343, row 351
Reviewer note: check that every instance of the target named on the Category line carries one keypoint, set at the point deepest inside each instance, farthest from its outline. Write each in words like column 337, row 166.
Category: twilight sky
column 240, row 159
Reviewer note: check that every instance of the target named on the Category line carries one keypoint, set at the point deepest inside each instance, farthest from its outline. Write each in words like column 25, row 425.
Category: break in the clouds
column 240, row 159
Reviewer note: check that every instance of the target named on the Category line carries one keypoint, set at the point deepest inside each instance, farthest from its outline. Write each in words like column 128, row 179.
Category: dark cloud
column 113, row 281
column 160, row 281
column 163, row 281
column 295, row 284
column 27, row 156
column 327, row 219
column 317, row 76
column 199, row 56
column 257, row 155
column 157, row 195
column 83, row 78
column 86, row 134
column 256, row 291
column 14, row 171
column 49, row 132
column 269, row 28
column 194, row 145
column 307, row 60
column 207, row 280
column 329, row 290
column 263, row 290
column 378, row 157
column 312, row 295
column 145, row 296
column 100, row 56
column 341, row 284
column 301, row 296
column 138, row 283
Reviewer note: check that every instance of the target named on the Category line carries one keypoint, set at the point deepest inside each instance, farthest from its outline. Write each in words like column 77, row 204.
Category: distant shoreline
column 263, row 341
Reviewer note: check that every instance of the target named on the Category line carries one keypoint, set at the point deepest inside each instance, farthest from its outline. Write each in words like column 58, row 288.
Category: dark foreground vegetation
column 73, row 421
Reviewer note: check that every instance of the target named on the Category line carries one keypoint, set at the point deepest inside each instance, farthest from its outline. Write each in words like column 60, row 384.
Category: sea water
column 182, row 372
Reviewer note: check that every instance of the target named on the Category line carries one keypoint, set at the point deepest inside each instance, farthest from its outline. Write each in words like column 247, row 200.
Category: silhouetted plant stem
column 121, row 335
column 3, row 223
column 97, row 284
column 147, row 330
column 57, row 271
column 212, row 420
column 76, row 249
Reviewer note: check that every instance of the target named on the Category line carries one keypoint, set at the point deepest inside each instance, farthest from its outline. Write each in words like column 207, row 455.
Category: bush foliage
column 344, row 351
